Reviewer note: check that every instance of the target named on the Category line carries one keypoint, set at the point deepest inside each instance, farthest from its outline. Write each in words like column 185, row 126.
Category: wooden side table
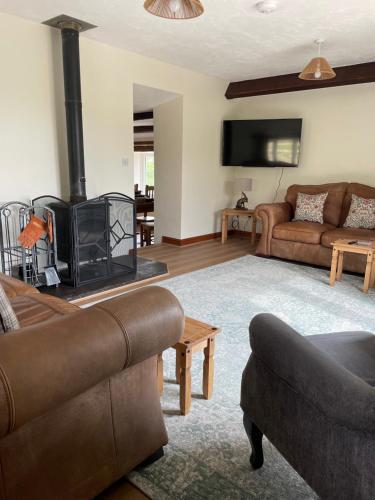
column 228, row 212
column 197, row 336
column 339, row 249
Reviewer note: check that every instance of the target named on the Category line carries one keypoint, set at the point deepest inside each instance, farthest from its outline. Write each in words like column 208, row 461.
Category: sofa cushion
column 346, row 233
column 355, row 351
column 301, row 231
column 360, row 190
column 333, row 204
column 361, row 213
column 35, row 308
column 310, row 207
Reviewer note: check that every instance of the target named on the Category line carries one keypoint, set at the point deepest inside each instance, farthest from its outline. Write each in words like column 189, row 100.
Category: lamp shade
column 242, row 185
column 317, row 69
column 174, row 9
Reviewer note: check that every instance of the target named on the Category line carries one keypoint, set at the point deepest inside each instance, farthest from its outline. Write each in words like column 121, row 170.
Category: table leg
column 160, row 371
column 178, row 367
column 332, row 278
column 253, row 230
column 372, row 282
column 368, row 272
column 208, row 368
column 142, row 236
column 186, row 356
column 224, row 227
column 148, row 236
column 340, row 266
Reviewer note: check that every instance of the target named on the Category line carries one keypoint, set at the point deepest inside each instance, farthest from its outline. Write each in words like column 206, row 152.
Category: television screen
column 262, row 143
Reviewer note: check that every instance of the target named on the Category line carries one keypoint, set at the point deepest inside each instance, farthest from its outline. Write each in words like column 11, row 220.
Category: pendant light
column 318, row 68
column 174, row 9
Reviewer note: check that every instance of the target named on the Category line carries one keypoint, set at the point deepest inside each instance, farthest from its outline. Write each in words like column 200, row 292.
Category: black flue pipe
column 73, row 108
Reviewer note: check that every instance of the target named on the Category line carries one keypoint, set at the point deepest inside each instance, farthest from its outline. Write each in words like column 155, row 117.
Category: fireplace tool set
column 28, row 243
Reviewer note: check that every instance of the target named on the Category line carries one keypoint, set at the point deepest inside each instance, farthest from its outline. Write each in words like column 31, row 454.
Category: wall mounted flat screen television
column 262, row 143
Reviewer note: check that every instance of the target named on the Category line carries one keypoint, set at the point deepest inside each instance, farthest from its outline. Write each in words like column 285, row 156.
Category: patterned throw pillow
column 8, row 319
column 361, row 213
column 309, row 207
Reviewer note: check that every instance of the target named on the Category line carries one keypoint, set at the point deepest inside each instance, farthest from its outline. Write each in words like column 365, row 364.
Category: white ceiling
column 147, row 98
column 231, row 40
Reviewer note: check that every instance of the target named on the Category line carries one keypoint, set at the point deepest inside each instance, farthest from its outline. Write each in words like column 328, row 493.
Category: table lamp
column 241, row 186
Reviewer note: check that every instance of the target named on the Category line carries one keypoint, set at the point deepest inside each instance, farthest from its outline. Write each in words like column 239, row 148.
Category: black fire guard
column 96, row 239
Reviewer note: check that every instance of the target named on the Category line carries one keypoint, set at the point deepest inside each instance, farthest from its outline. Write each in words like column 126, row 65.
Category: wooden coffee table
column 197, row 336
column 339, row 249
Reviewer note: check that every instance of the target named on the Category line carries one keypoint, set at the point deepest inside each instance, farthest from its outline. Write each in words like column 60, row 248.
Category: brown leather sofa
column 79, row 405
column 310, row 242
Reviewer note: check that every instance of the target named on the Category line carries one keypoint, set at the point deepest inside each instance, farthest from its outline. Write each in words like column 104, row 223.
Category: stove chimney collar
column 67, row 22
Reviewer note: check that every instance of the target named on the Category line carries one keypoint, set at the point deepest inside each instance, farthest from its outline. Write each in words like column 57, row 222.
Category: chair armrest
column 45, row 365
column 14, row 287
column 332, row 389
column 271, row 214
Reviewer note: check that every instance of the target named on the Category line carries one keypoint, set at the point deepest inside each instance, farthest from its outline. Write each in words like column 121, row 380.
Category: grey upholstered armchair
column 314, row 399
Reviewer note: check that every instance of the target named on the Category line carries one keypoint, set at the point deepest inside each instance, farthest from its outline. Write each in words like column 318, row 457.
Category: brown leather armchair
column 78, row 393
column 310, row 242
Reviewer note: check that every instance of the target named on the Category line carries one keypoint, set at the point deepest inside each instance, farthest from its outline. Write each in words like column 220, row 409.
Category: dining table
column 144, row 205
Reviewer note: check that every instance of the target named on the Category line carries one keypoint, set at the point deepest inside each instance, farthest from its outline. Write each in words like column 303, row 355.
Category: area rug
column 208, row 451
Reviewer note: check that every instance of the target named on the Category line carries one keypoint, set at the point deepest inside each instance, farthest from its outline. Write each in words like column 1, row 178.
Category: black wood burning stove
column 96, row 239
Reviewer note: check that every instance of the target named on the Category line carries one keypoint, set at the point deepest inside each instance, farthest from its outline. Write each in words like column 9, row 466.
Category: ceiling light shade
column 174, row 9
column 318, row 68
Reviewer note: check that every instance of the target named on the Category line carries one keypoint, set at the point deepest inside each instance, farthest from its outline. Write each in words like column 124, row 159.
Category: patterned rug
column 208, row 452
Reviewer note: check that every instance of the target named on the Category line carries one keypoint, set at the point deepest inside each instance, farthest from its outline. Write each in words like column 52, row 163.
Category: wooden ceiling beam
column 345, row 75
column 143, row 129
column 144, row 143
column 143, row 146
column 146, row 115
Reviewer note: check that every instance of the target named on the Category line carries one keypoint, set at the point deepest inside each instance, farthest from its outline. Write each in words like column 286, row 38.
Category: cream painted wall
column 338, row 137
column 205, row 183
column 168, row 123
column 33, row 158
column 29, row 148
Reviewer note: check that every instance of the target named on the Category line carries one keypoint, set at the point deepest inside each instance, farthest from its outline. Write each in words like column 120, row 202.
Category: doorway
column 147, row 184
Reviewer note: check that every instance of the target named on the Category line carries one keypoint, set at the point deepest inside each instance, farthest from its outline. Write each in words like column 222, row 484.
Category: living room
column 149, row 387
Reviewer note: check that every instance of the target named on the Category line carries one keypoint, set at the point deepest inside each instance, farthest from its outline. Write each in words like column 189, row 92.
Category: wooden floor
column 182, row 260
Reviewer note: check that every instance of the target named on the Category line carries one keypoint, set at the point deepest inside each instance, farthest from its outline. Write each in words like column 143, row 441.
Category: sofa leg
column 255, row 437
column 151, row 459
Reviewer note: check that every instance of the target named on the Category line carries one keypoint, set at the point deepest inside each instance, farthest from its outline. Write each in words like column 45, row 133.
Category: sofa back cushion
column 334, row 201
column 358, row 189
column 310, row 207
